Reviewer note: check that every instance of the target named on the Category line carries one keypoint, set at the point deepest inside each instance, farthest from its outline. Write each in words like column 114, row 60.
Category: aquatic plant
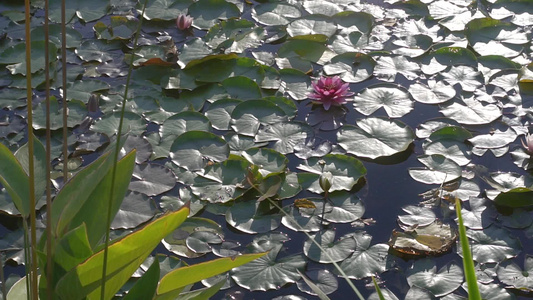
column 330, row 91
column 184, row 22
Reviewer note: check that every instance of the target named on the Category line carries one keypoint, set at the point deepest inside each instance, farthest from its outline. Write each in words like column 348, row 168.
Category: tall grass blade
column 117, row 149
column 468, row 262
column 33, row 234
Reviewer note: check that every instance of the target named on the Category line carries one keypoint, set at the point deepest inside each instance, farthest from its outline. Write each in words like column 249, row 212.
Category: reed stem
column 117, row 150
column 31, row 171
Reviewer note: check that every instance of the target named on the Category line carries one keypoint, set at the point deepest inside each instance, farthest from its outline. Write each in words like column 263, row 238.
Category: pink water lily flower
column 330, row 91
column 528, row 145
column 184, row 22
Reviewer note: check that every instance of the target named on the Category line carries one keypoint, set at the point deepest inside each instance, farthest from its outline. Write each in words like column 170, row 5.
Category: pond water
column 442, row 94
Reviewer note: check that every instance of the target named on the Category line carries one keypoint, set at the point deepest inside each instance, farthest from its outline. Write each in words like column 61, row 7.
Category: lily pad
column 375, row 137
column 193, row 150
column 424, row 274
column 367, row 260
column 330, row 250
column 253, row 217
column 439, row 170
column 346, row 171
column 394, row 99
column 268, row 272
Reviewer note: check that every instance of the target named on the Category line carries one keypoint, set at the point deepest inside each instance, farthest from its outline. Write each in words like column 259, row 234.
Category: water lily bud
column 184, row 22
column 528, row 145
column 325, row 181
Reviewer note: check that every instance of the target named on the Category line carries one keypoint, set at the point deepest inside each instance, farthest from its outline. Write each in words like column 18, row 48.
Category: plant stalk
column 31, row 171
column 117, row 150
column 48, row 163
column 64, row 84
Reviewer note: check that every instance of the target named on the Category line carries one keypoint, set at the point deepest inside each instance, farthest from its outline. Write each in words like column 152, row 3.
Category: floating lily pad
column 152, row 179
column 375, row 137
column 367, row 260
column 134, row 210
column 330, row 250
column 515, row 277
column 346, row 171
column 439, row 169
column 431, row 240
column 394, row 99
column 194, row 149
column 493, row 244
column 286, row 135
column 247, row 116
column 221, row 182
column 176, row 241
column 253, row 217
column 424, row 274
column 268, row 272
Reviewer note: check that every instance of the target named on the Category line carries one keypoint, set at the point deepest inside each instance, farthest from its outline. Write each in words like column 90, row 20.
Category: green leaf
column 125, row 256
column 515, row 198
column 96, row 206
column 330, row 250
column 188, row 275
column 15, row 180
column 15, row 57
column 249, row 115
column 439, row 169
column 146, row 286
column 275, row 13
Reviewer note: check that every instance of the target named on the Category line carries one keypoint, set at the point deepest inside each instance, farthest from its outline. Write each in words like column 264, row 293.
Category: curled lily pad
column 375, row 137
column 434, row 239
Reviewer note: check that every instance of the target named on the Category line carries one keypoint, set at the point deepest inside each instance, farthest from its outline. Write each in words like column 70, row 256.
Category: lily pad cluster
column 221, row 117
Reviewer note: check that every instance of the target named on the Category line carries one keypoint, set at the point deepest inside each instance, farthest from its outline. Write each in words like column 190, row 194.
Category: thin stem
column 117, row 150
column 324, row 208
column 34, row 291
column 48, row 163
column 64, row 83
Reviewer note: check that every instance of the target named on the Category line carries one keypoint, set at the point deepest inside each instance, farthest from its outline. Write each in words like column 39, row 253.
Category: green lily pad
column 135, row 210
column 15, row 57
column 285, row 135
column 330, row 250
column 183, row 122
column 494, row 37
column 268, row 160
column 253, row 217
column 323, row 279
column 152, row 179
column 268, row 272
column 194, row 149
column 77, row 111
column 493, row 244
column 367, row 260
column 247, row 116
column 312, row 24
column 176, row 242
column 434, row 93
column 424, row 274
column 515, row 277
column 394, row 99
column 439, row 169
column 109, row 124
column 166, row 10
column 207, row 13
column 351, row 67
column 275, row 13
column 346, row 171
column 221, row 182
column 375, row 137
column 241, row 87
column 219, row 113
